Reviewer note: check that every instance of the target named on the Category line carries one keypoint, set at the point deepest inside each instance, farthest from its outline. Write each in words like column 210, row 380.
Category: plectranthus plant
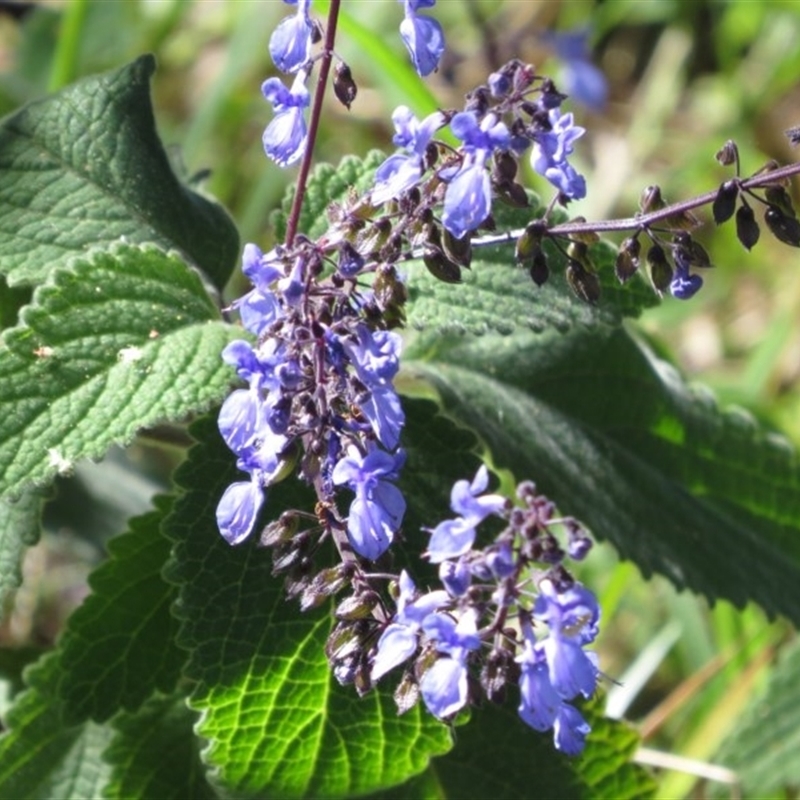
column 400, row 437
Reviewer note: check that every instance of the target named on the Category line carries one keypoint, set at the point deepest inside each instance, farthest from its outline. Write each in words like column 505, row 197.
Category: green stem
column 65, row 60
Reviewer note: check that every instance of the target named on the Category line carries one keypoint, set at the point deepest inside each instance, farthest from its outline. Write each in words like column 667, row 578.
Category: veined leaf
column 19, row 529
column 119, row 646
column 277, row 722
column 120, row 340
column 614, row 436
column 84, row 168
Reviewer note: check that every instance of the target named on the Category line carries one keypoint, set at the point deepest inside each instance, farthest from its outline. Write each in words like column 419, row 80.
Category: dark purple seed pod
column 785, row 228
column 747, row 230
column 725, row 202
column 344, row 87
column 627, row 259
column 660, row 269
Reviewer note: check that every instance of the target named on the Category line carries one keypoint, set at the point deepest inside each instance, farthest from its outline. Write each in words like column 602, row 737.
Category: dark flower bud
column 440, row 266
column 323, row 585
column 725, row 202
column 477, row 101
column 357, row 606
column 504, row 166
column 651, row 200
column 459, row 251
column 376, row 236
column 778, row 196
column 431, row 155
column 530, row 239
column 584, row 283
column 346, row 640
column 289, row 554
column 550, row 97
column 538, row 269
column 513, row 193
column 692, row 253
column 784, row 227
column 728, row 154
column 280, row 530
column 344, row 87
column 495, row 674
column 406, row 695
column 660, row 270
column 390, row 292
column 627, row 259
column 746, row 226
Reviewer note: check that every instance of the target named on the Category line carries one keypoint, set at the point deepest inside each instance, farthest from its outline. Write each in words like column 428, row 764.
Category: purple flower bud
column 285, row 137
column 238, row 509
column 423, row 36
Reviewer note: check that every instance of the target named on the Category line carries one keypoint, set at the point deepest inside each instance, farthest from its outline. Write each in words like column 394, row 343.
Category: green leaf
column 277, row 722
column 763, row 747
column 119, row 646
column 498, row 296
column 120, row 340
column 154, row 754
column 19, row 529
column 41, row 755
column 497, row 755
column 614, row 436
column 85, row 167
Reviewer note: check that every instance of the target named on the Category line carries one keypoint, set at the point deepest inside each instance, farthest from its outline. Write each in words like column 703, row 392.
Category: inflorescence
column 324, row 352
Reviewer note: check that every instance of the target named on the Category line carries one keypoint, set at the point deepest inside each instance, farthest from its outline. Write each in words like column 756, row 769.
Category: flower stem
column 313, row 125
column 642, row 221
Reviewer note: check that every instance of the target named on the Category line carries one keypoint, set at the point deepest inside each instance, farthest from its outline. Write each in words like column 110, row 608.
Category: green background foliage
column 184, row 673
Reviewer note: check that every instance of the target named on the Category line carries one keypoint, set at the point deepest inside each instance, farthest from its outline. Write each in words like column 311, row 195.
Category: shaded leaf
column 85, row 167
column 119, row 646
column 614, row 436
column 41, row 755
column 155, row 754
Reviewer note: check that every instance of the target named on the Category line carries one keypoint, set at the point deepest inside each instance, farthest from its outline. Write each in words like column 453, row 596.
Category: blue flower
column 456, row 577
column 285, row 137
column 573, row 617
column 423, row 36
column 400, row 638
column 452, row 538
column 376, row 357
column 290, row 43
column 444, row 685
column 238, row 508
column 581, row 79
column 400, row 171
column 550, row 151
column 468, row 199
column 684, row 286
column 378, row 508
column 570, row 730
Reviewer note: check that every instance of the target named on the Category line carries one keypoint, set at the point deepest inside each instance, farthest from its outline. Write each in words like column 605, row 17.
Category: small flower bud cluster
column 509, row 613
column 319, row 391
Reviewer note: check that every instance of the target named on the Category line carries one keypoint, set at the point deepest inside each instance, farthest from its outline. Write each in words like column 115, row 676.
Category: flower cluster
column 319, row 389
column 500, row 122
column 509, row 612
column 291, row 50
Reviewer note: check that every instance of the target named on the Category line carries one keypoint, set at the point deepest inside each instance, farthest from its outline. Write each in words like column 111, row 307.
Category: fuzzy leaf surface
column 119, row 646
column 277, row 722
column 120, row 340
column 706, row 498
column 154, row 753
column 85, row 167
